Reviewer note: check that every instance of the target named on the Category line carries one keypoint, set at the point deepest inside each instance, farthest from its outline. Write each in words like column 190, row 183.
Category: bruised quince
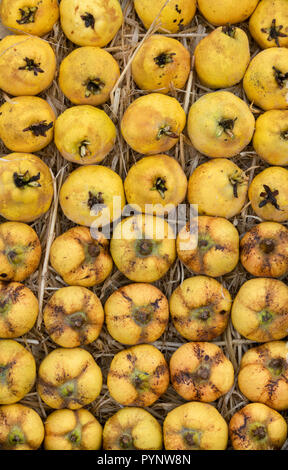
column 200, row 308
column 72, row 430
column 27, row 65
column 219, row 188
column 35, row 17
column 21, row 428
column 20, row 251
column 132, row 429
column 26, row 187
column 260, row 310
column 264, row 250
column 268, row 194
column 69, row 378
column 136, row 313
column 81, row 257
column 270, row 140
column 152, row 124
column 257, row 427
column 17, row 371
column 18, row 309
column 92, row 195
column 223, row 12
column 84, row 134
column 138, row 376
column 143, row 247
column 90, row 22
column 195, row 426
column 222, row 57
column 269, row 24
column 161, row 64
column 220, row 124
column 87, row 75
column 175, row 15
column 155, row 185
column 26, row 124
column 266, row 79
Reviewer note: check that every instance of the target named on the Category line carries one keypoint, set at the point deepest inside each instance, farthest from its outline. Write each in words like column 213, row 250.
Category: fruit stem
column 230, row 30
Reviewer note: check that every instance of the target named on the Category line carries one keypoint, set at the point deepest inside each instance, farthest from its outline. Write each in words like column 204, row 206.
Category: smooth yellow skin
column 81, row 257
column 276, row 178
column 13, row 50
column 196, row 299
column 202, row 420
column 84, row 124
column 20, row 421
column 139, row 426
column 92, row 180
column 148, row 116
column 259, row 81
column 108, row 18
column 126, row 242
column 211, row 189
column 46, row 15
column 18, row 309
column 264, row 250
column 145, row 363
column 204, row 128
column 19, row 373
column 209, row 245
column 24, row 202
column 270, row 141
column 20, row 251
column 258, row 381
column 255, row 299
column 142, row 178
column 83, row 65
column 253, row 416
column 223, row 12
column 69, row 378
column 263, row 17
column 192, row 358
column 73, row 317
column 18, row 115
column 158, row 76
column 221, row 60
column 72, row 430
column 173, row 17
column 136, row 313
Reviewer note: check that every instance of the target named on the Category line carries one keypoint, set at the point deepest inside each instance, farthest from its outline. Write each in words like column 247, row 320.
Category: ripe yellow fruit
column 27, row 65
column 132, row 429
column 223, row 12
column 270, row 139
column 195, row 426
column 21, row 428
column 268, row 24
column 222, row 57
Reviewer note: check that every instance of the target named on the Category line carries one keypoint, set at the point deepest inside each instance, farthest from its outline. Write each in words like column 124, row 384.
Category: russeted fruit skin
column 17, row 371
column 263, row 375
column 69, row 378
column 152, row 124
column 33, row 17
column 220, row 124
column 173, row 17
column 72, row 430
column 91, row 22
column 21, row 428
column 265, row 81
column 136, row 313
column 222, row 57
column 270, row 139
column 260, row 310
column 195, row 426
column 132, row 429
column 26, row 124
column 223, row 12
column 268, row 24
column 161, row 64
column 27, row 65
column 208, row 245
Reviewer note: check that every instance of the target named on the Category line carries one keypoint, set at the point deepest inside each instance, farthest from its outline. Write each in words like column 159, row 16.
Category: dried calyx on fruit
column 22, row 180
column 32, row 66
column 27, row 15
column 274, row 32
column 269, row 197
column 39, row 129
